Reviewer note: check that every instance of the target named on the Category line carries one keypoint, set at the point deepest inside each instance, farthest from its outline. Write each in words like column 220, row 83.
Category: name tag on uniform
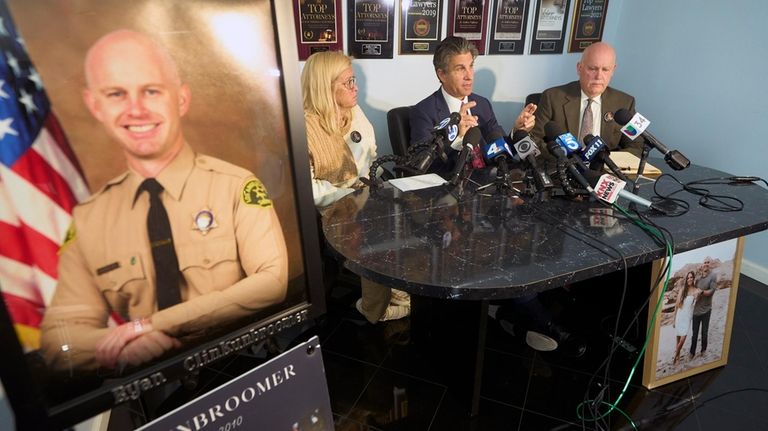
column 106, row 268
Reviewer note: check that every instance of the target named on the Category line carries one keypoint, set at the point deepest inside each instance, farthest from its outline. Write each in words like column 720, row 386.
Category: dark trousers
column 703, row 320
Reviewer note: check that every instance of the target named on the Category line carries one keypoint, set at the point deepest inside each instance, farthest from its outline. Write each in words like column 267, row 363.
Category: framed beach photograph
column 692, row 331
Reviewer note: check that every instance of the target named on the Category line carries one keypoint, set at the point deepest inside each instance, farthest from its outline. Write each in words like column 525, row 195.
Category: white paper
column 417, row 182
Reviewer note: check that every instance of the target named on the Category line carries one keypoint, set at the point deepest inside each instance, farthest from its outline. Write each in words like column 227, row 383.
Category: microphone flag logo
column 635, row 126
column 608, row 187
column 629, row 131
column 569, row 142
column 453, row 132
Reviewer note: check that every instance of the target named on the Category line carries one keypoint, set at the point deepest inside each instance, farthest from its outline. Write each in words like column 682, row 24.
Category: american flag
column 40, row 183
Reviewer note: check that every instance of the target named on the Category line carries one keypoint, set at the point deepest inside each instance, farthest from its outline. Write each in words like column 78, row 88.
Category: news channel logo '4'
column 492, row 150
column 636, row 126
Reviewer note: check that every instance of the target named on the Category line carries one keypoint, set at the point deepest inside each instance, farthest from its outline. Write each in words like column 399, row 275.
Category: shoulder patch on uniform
column 68, row 237
column 254, row 193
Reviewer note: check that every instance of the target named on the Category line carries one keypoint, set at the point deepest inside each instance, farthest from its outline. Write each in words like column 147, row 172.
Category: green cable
column 658, row 235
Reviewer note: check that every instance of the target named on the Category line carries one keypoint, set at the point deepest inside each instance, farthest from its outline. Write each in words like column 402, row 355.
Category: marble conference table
column 454, row 255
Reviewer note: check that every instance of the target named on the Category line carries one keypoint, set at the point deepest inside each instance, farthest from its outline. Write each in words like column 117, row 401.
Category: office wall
column 506, row 80
column 698, row 73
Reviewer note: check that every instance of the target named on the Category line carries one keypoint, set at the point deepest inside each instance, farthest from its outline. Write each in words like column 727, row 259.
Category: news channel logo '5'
column 569, row 142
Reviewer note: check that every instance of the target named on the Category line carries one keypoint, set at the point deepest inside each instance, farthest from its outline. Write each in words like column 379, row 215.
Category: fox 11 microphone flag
column 40, row 182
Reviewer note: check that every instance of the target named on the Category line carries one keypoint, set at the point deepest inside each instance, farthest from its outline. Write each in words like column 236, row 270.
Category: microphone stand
column 463, row 170
column 503, row 181
column 457, row 189
column 533, row 186
column 641, row 167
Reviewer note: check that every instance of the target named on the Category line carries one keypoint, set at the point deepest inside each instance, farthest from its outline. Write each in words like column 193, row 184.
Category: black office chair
column 399, row 125
column 533, row 98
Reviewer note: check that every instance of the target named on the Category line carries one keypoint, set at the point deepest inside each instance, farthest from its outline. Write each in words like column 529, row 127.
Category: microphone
column 595, row 149
column 609, row 188
column 447, row 129
column 427, row 157
column 471, row 140
column 593, row 146
column 635, row 124
column 474, row 142
column 497, row 148
column 527, row 150
column 554, row 132
column 477, row 156
column 564, row 138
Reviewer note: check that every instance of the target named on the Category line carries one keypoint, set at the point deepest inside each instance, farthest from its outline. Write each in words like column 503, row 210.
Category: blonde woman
column 342, row 146
column 684, row 311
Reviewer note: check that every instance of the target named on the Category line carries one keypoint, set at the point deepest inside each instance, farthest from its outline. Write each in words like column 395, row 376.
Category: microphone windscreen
column 552, row 130
column 588, row 138
column 591, row 176
column 623, row 116
column 494, row 135
column 518, row 135
column 473, row 136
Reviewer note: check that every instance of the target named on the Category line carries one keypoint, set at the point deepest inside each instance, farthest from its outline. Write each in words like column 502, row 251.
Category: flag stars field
column 27, row 101
column 6, row 129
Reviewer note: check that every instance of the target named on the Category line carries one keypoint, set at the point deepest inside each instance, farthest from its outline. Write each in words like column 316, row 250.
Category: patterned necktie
column 586, row 121
column 163, row 251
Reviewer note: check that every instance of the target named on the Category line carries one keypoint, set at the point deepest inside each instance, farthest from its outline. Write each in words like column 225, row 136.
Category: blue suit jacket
column 426, row 114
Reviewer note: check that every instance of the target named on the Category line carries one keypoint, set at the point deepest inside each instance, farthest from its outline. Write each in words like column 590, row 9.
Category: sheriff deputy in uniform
column 175, row 246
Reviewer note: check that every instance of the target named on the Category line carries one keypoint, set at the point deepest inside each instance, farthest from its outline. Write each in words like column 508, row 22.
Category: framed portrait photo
column 223, row 77
column 692, row 331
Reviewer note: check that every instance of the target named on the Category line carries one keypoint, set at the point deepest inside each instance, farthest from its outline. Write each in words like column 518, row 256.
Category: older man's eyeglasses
column 350, row 83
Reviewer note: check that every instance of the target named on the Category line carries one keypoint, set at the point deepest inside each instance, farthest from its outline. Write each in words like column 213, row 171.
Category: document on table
column 417, row 182
column 628, row 163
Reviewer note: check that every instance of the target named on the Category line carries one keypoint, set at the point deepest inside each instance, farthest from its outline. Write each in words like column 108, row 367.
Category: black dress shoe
column 569, row 344
column 547, row 338
column 536, row 336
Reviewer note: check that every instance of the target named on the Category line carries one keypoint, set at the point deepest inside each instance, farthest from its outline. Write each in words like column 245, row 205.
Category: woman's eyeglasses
column 350, row 83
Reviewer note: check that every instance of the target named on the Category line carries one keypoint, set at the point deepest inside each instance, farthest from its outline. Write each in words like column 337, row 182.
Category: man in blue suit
column 454, row 62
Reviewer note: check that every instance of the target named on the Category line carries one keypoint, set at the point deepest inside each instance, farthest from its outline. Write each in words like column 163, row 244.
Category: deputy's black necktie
column 163, row 251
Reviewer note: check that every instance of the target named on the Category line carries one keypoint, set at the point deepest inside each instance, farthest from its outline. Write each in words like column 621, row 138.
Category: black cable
column 372, row 173
column 597, row 401
column 671, row 409
column 665, row 240
column 708, row 199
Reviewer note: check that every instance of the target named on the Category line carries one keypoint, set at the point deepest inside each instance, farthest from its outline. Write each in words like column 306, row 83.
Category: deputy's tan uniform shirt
column 237, row 266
